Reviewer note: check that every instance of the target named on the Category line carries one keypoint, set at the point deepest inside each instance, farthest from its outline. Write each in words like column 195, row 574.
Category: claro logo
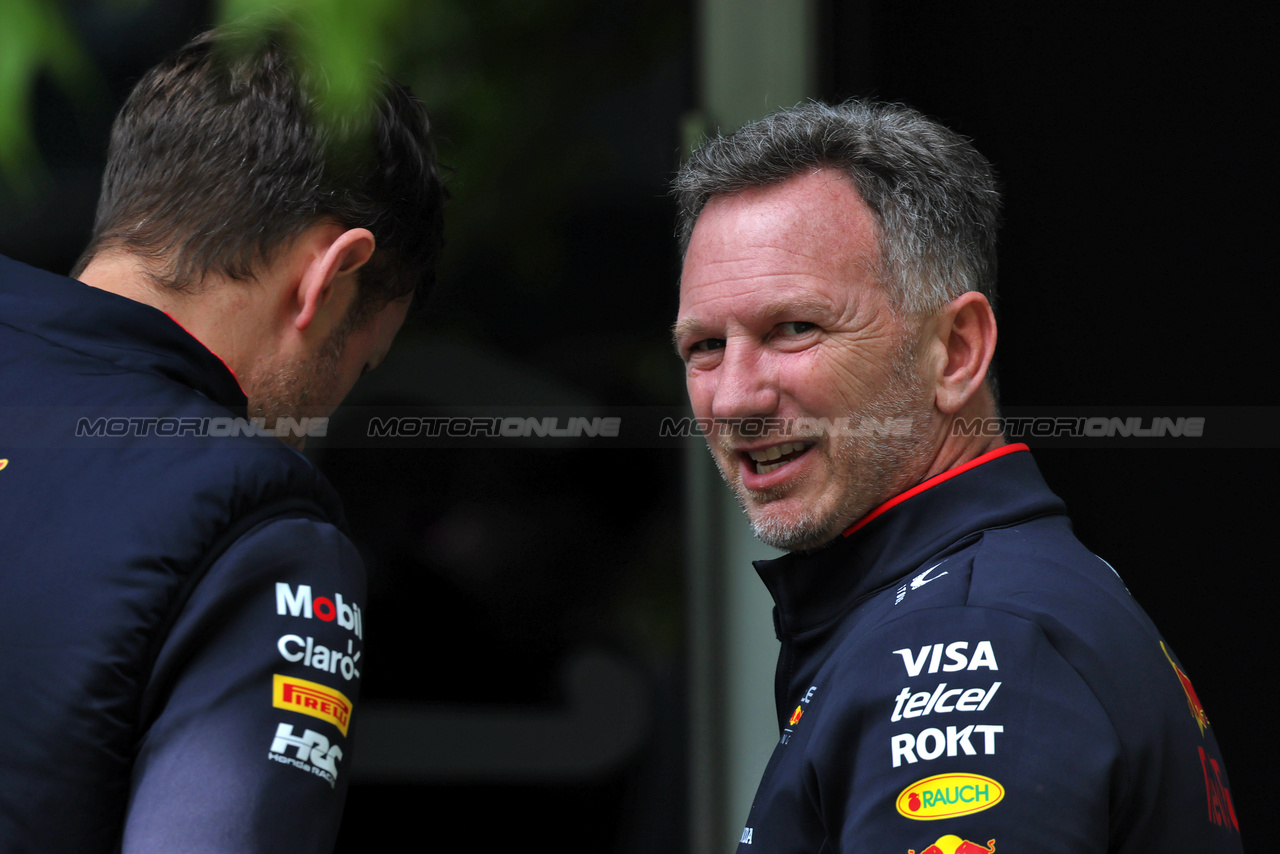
column 298, row 602
column 949, row 795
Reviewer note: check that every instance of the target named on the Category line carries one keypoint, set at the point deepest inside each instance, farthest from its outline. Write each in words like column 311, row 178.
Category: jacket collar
column 117, row 330
column 998, row 489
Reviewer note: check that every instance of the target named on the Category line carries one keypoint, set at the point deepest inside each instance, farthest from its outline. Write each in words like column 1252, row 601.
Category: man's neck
column 981, row 434
column 231, row 318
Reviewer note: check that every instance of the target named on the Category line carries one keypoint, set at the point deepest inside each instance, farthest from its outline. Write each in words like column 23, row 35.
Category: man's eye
column 797, row 327
column 707, row 344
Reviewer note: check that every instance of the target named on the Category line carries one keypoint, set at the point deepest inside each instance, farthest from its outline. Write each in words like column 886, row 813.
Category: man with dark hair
column 181, row 622
column 956, row 668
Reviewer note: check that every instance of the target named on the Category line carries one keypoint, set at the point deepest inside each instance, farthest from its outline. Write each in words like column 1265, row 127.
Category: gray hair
column 934, row 197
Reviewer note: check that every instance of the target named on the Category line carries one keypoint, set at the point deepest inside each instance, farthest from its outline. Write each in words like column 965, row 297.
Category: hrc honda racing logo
column 311, row 752
column 298, row 602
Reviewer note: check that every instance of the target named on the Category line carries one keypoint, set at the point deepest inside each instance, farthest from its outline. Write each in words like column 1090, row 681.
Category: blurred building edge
column 755, row 57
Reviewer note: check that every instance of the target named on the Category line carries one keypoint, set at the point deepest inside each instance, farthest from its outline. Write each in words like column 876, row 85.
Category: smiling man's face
column 782, row 318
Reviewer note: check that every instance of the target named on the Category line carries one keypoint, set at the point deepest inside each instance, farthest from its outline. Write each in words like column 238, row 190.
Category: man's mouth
column 769, row 459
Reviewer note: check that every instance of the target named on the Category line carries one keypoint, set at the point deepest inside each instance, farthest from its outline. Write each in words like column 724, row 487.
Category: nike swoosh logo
column 920, row 580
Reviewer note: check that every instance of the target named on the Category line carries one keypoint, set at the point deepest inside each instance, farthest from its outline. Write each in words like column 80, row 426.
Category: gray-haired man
column 956, row 668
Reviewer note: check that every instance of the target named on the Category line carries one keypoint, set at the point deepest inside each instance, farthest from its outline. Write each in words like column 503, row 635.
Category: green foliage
column 337, row 41
column 34, row 39
column 505, row 83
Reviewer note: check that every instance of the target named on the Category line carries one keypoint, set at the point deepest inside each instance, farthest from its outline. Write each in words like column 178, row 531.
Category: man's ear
column 331, row 273
column 967, row 332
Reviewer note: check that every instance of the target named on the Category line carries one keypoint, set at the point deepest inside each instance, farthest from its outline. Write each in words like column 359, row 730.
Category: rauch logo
column 949, row 795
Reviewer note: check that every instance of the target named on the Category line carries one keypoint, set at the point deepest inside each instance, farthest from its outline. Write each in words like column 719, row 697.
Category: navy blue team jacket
column 181, row 622
column 958, row 673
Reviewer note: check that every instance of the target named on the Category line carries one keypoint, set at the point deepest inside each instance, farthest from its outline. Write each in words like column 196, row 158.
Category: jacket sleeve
column 954, row 728
column 257, row 682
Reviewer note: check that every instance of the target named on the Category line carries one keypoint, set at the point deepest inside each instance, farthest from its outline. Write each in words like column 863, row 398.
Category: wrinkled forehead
column 820, row 208
column 815, row 222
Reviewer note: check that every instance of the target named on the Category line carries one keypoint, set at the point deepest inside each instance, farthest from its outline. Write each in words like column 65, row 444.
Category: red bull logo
column 1221, row 811
column 948, row 795
column 1193, row 702
column 951, row 844
column 796, row 715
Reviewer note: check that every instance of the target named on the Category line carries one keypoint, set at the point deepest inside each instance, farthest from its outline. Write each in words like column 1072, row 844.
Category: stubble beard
column 296, row 390
column 877, row 464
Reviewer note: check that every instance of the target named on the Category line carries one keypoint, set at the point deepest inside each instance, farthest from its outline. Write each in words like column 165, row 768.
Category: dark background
column 1137, row 152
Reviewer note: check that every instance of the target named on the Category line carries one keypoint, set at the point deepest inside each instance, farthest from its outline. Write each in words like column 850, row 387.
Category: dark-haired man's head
column 237, row 201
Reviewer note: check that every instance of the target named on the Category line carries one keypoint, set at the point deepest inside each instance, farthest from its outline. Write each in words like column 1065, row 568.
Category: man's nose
column 745, row 386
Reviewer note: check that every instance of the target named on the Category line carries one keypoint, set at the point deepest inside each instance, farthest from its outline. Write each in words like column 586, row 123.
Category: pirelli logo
column 312, row 698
